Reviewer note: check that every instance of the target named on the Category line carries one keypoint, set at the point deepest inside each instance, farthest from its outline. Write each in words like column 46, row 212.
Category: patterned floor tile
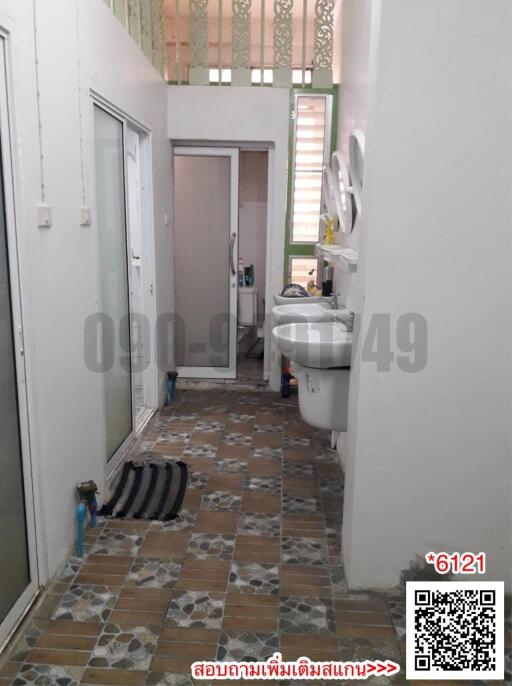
column 86, row 603
column 150, row 572
column 259, row 524
column 303, row 471
column 241, row 418
column 114, row 542
column 221, row 500
column 268, row 428
column 247, row 646
column 173, row 437
column 33, row 630
column 304, row 551
column 397, row 610
column 213, row 546
column 169, row 679
column 48, row 675
column 301, row 504
column 237, row 439
column 331, row 486
column 271, row 484
column 271, row 454
column 210, row 427
column 181, row 418
column 338, row 581
column 327, row 457
column 197, row 480
column 290, row 442
column 70, row 569
column 254, row 578
column 124, row 648
column 200, row 451
column 231, row 465
column 186, row 519
column 361, row 649
column 199, row 609
column 301, row 615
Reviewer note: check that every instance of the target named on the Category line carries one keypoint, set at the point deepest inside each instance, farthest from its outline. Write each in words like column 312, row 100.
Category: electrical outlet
column 85, row 216
column 44, row 216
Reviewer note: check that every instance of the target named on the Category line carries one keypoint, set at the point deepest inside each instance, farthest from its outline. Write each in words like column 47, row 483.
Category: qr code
column 455, row 630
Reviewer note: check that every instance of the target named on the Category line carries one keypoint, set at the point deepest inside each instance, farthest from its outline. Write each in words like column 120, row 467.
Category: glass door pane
column 14, row 570
column 110, row 198
column 204, row 248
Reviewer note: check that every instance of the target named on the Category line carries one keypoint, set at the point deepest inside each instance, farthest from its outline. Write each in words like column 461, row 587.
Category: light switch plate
column 44, row 216
column 85, row 216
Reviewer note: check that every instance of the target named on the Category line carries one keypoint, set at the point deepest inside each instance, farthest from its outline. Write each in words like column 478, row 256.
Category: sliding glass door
column 115, row 299
column 18, row 568
column 14, row 572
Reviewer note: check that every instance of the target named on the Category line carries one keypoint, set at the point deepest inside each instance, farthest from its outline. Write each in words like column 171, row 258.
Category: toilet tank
column 248, row 306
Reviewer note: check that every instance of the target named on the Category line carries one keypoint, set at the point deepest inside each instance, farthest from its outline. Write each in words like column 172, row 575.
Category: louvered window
column 311, row 151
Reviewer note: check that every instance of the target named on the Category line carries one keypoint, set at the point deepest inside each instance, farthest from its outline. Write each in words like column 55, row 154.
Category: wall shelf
column 346, row 258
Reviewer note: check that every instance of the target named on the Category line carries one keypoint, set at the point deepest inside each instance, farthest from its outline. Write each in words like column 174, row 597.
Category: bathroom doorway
column 220, row 257
column 252, row 251
column 205, row 261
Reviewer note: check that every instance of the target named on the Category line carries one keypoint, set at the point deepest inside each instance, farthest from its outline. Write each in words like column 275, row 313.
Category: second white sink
column 300, row 312
column 321, row 345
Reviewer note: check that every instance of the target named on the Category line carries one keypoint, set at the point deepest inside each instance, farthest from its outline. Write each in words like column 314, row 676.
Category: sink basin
column 281, row 300
column 320, row 345
column 316, row 312
column 300, row 312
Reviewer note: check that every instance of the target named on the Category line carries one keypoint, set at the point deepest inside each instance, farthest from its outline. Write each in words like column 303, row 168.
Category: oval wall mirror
column 328, row 203
column 356, row 162
column 343, row 194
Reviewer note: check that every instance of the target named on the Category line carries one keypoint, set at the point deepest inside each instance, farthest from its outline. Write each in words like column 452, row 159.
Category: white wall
column 59, row 265
column 237, row 115
column 429, row 453
column 355, row 23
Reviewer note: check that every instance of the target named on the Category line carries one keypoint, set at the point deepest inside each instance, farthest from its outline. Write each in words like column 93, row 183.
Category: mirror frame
column 328, row 202
column 356, row 146
column 344, row 199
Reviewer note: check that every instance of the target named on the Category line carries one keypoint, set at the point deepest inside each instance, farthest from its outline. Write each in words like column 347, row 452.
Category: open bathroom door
column 206, row 261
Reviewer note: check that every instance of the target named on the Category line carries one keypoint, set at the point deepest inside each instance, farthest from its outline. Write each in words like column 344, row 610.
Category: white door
column 206, row 261
column 18, row 571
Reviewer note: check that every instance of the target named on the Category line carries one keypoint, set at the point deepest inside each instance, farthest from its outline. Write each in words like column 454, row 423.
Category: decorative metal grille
column 324, row 36
column 198, row 17
column 241, row 43
column 244, row 42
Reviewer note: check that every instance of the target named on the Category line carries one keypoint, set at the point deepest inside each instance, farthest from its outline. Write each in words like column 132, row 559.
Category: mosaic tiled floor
column 252, row 564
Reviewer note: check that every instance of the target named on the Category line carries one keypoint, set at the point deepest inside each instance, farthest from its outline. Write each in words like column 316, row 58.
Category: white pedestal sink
column 300, row 312
column 320, row 345
column 310, row 299
column 309, row 312
column 320, row 353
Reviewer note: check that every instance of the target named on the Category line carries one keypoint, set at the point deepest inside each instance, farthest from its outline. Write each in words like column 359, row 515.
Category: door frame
column 24, row 601
column 148, row 248
column 229, row 372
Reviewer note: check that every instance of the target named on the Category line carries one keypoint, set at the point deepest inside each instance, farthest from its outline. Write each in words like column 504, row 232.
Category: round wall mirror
column 343, row 197
column 356, row 161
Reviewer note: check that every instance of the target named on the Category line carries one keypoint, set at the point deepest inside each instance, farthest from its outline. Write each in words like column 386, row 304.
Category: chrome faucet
column 334, row 301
